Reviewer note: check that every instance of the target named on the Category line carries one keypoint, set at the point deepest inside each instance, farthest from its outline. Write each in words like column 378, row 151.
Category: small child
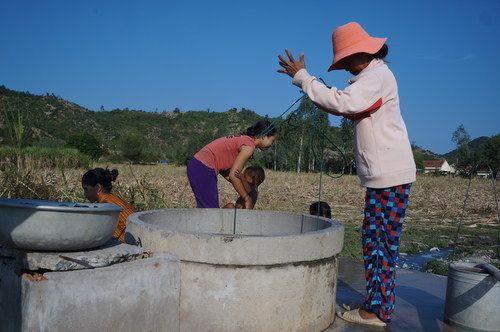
column 321, row 209
column 96, row 184
column 252, row 178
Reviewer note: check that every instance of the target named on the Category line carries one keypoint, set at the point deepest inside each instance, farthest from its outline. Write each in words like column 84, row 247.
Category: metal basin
column 472, row 299
column 56, row 226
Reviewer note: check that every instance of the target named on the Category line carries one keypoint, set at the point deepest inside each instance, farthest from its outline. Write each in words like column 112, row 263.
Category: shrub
column 132, row 147
column 437, row 266
column 38, row 157
column 87, row 144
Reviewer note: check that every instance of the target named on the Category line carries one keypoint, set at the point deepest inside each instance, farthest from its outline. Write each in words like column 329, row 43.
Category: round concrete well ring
column 248, row 269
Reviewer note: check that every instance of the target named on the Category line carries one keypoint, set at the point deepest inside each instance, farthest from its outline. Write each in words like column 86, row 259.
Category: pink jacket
column 383, row 153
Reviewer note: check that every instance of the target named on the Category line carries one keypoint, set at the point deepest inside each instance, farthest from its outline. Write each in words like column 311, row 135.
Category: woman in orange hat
column 384, row 159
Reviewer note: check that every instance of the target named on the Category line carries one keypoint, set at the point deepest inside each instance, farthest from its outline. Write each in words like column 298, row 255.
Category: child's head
column 320, row 208
column 264, row 133
column 354, row 48
column 254, row 175
column 96, row 181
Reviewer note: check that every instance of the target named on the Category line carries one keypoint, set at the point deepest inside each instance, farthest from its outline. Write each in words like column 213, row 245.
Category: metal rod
column 234, row 221
column 463, row 210
column 493, row 183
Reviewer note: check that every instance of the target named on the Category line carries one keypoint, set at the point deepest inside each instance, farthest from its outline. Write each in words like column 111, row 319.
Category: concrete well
column 248, row 270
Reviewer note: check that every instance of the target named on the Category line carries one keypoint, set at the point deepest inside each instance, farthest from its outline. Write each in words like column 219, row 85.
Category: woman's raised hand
column 291, row 66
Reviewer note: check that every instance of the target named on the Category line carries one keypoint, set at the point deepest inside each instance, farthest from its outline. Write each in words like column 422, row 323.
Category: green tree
column 87, row 144
column 132, row 146
column 346, row 136
column 16, row 120
column 461, row 138
column 491, row 154
column 301, row 141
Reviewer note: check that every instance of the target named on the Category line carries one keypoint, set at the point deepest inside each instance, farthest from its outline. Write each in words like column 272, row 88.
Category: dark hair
column 320, row 208
column 261, row 128
column 101, row 176
column 382, row 53
column 257, row 173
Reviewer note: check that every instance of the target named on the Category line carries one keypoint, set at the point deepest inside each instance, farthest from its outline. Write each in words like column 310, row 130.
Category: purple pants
column 203, row 181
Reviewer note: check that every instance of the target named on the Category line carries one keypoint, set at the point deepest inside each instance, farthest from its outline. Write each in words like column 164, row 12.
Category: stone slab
column 112, row 253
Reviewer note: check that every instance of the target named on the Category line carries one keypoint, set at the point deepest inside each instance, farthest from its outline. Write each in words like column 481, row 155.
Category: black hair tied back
column 101, row 176
column 261, row 128
column 113, row 173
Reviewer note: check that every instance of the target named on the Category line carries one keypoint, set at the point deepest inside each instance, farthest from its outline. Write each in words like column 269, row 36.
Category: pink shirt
column 221, row 153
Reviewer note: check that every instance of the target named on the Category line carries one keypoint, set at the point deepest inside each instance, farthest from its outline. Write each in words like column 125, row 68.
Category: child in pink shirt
column 227, row 156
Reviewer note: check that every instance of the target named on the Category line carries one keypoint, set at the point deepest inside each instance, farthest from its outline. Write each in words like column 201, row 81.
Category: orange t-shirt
column 221, row 153
column 122, row 218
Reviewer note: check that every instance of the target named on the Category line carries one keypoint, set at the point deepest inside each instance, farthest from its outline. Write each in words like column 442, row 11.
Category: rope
column 273, row 124
column 318, row 140
column 464, row 205
column 493, row 182
column 463, row 210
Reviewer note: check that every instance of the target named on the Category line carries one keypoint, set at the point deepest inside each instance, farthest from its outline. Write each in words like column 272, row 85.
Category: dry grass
column 432, row 217
column 433, row 199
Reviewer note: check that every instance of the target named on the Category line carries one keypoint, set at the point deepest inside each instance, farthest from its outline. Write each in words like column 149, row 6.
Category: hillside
column 476, row 146
column 174, row 135
column 51, row 120
column 420, row 154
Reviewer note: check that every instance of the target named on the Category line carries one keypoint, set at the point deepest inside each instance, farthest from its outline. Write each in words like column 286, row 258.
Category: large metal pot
column 55, row 226
column 472, row 298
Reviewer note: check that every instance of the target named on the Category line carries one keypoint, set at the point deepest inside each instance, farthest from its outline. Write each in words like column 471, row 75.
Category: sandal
column 353, row 316
column 351, row 306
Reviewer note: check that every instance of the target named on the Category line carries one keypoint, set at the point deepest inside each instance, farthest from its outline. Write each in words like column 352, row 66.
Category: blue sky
column 220, row 54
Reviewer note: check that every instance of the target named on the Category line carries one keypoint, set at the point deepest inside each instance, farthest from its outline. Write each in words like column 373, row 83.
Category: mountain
column 476, row 146
column 427, row 154
column 51, row 121
column 176, row 135
column 420, row 154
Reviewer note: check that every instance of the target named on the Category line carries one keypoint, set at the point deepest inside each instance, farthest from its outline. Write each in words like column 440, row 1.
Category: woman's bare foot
column 367, row 314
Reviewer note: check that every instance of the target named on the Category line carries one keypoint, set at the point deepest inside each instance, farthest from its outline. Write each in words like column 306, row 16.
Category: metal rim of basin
column 40, row 225
column 239, row 249
column 467, row 271
column 45, row 205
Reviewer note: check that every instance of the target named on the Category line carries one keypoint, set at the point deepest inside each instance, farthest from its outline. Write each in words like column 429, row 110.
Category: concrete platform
column 420, row 299
column 113, row 288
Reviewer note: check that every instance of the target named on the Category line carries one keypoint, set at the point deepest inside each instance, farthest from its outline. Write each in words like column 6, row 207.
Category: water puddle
column 418, row 261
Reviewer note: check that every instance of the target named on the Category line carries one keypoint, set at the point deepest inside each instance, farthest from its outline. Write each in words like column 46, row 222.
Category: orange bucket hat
column 351, row 38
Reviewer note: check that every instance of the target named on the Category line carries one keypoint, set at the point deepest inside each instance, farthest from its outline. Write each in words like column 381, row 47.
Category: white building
column 438, row 166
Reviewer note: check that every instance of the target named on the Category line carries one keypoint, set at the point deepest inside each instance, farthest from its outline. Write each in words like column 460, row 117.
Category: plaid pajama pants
column 382, row 225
